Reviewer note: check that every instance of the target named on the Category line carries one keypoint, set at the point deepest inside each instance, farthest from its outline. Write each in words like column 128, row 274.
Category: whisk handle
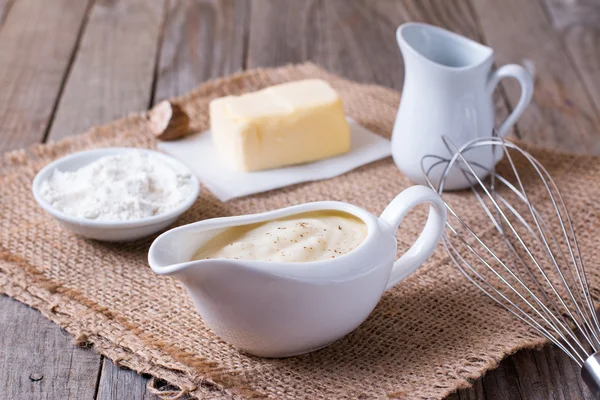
column 590, row 373
column 430, row 236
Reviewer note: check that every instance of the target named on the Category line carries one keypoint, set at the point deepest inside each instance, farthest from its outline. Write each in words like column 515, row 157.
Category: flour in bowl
column 119, row 187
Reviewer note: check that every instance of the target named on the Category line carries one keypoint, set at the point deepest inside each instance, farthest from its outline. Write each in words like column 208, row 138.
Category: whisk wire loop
column 528, row 261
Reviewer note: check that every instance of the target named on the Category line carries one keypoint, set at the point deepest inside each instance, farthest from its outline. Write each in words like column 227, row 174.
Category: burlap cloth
column 428, row 336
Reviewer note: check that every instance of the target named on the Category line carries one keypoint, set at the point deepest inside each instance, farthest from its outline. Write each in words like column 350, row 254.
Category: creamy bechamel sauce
column 304, row 237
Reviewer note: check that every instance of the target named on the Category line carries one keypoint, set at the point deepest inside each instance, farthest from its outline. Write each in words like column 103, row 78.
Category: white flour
column 120, row 187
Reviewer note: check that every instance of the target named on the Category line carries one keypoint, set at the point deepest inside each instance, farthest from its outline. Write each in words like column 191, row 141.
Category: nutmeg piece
column 168, row 121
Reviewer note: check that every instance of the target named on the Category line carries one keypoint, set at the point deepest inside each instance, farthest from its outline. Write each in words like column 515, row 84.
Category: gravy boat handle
column 430, row 235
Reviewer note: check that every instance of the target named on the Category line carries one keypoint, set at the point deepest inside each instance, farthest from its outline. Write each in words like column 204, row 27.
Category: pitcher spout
column 427, row 44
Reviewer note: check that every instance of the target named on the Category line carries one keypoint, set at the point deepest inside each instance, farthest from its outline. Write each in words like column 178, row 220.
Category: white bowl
column 110, row 231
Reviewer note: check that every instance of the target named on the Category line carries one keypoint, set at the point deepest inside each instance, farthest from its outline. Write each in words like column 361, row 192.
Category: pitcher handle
column 429, row 237
column 525, row 81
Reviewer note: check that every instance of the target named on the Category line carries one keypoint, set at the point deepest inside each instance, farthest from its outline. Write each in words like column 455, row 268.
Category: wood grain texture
column 548, row 374
column 4, row 8
column 578, row 24
column 39, row 361
column 113, row 72
column 475, row 392
column 203, row 39
column 37, row 40
column 530, row 374
column 353, row 38
column 561, row 114
column 122, row 384
column 502, row 383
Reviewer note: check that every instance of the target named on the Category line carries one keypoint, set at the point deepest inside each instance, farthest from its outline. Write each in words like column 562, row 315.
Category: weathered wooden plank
column 120, row 383
column 203, row 39
column 38, row 359
column 4, row 8
column 502, row 383
column 473, row 393
column 113, row 72
column 536, row 381
column 565, row 374
column 37, row 41
column 353, row 38
column 561, row 114
column 578, row 24
column 537, row 374
column 530, row 374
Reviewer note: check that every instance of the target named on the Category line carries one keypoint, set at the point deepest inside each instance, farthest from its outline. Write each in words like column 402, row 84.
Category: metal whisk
column 527, row 259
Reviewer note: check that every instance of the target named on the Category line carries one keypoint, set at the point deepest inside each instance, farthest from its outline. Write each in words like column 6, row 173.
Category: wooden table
column 69, row 64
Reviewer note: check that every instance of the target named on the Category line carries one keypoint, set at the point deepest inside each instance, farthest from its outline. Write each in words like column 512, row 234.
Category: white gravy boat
column 278, row 309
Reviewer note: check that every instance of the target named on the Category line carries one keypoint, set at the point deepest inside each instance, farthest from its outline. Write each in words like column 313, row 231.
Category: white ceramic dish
column 279, row 309
column 110, row 231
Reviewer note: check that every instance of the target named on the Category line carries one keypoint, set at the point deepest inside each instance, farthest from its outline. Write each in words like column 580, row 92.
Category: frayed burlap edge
column 66, row 308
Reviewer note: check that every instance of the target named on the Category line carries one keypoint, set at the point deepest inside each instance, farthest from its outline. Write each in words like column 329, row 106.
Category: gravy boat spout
column 172, row 252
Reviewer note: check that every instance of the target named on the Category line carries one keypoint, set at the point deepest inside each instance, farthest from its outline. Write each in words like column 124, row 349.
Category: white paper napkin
column 197, row 152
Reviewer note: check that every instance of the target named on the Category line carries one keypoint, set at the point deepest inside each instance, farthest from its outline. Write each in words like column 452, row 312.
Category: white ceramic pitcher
column 448, row 87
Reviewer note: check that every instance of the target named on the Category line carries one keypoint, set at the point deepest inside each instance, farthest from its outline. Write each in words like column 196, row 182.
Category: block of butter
column 287, row 124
